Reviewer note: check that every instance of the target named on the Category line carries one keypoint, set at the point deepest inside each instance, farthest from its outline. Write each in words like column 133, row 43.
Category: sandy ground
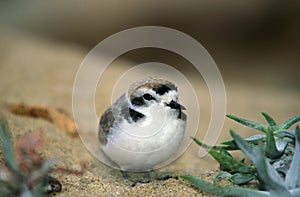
column 41, row 72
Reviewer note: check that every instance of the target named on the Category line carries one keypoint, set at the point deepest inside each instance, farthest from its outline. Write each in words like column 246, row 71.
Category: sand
column 38, row 71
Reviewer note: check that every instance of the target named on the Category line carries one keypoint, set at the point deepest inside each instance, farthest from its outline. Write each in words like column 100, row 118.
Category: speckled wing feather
column 106, row 121
column 116, row 113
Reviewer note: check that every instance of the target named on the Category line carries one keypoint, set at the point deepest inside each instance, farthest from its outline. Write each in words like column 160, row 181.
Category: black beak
column 175, row 105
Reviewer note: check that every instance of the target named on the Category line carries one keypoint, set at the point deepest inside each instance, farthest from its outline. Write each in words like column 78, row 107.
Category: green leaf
column 285, row 133
column 208, row 147
column 292, row 179
column 229, row 164
column 295, row 192
column 249, row 123
column 273, row 125
column 221, row 174
column 254, row 140
column 270, row 120
column 8, row 188
column 223, row 191
column 8, row 153
column 240, row 178
column 281, row 145
column 271, row 149
column 265, row 171
column 287, row 124
column 202, row 144
column 225, row 152
column 230, row 143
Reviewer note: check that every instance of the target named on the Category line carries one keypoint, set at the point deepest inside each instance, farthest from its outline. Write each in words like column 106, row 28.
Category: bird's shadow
column 147, row 177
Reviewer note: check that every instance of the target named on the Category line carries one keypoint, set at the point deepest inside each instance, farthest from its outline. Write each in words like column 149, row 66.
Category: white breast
column 143, row 145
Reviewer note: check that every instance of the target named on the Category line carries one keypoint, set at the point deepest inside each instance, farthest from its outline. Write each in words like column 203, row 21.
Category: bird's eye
column 148, row 97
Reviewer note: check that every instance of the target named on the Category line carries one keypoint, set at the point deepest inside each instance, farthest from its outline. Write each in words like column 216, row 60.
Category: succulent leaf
column 281, row 144
column 208, row 147
column 28, row 183
column 7, row 188
column 229, row 143
column 292, row 179
column 221, row 174
column 254, row 140
column 227, row 163
column 287, row 124
column 223, row 191
column 265, row 171
column 240, row 178
column 7, row 148
column 275, row 155
column 285, row 134
column 225, row 152
column 249, row 123
column 269, row 119
column 202, row 144
column 271, row 149
column 295, row 192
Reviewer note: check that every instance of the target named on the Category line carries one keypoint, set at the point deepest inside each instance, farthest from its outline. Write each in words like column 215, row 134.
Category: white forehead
column 145, row 85
column 168, row 96
column 142, row 90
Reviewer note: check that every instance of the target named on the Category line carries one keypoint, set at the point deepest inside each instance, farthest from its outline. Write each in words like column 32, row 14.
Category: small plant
column 275, row 154
column 26, row 172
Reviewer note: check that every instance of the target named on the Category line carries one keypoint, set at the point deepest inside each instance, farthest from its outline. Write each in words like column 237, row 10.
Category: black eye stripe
column 138, row 101
column 162, row 89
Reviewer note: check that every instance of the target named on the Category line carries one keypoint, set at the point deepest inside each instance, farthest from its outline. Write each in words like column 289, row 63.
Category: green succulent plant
column 26, row 178
column 275, row 155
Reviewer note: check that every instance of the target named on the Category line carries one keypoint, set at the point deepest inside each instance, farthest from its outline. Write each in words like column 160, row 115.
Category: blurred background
column 255, row 44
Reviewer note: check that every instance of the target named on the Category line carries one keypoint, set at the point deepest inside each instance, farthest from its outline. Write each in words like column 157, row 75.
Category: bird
column 144, row 127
